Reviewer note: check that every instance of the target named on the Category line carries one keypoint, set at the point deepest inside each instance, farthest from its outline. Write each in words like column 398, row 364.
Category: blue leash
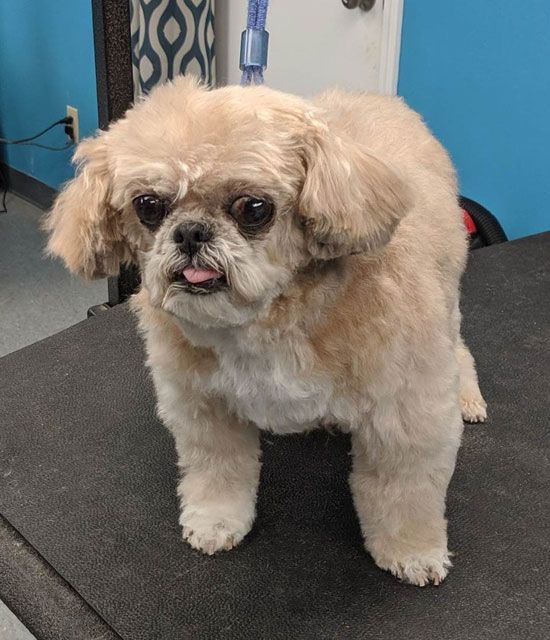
column 254, row 42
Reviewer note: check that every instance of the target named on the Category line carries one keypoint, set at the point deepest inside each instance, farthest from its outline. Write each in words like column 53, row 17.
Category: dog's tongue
column 196, row 276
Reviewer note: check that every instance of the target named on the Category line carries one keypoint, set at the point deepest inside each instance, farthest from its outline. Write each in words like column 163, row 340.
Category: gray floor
column 38, row 297
column 10, row 627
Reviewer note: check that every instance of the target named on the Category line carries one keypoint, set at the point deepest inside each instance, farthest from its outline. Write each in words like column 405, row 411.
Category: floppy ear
column 84, row 229
column 351, row 202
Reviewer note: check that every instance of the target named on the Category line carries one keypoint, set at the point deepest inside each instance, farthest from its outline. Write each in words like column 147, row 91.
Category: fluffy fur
column 344, row 311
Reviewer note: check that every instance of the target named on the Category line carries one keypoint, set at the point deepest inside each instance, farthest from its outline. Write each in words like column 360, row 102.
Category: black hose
column 487, row 225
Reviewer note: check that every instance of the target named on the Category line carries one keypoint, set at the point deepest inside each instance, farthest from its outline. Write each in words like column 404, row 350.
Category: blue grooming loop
column 254, row 43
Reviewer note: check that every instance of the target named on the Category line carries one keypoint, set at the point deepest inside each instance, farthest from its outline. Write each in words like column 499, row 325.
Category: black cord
column 45, row 146
column 28, row 142
column 67, row 120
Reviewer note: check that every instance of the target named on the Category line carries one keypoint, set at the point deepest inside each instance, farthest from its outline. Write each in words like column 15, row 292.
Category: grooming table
column 89, row 541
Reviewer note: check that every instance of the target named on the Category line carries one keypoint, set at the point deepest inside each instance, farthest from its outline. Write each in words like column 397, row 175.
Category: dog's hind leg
column 472, row 404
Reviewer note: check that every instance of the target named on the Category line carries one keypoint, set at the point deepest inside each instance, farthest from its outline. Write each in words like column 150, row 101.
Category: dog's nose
column 189, row 236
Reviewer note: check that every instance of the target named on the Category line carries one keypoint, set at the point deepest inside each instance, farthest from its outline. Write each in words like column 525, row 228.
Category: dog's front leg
column 399, row 481
column 219, row 457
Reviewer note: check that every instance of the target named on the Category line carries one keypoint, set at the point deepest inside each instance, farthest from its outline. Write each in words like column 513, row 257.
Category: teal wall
column 479, row 72
column 46, row 63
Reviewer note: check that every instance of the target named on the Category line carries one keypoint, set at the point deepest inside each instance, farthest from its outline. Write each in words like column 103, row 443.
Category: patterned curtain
column 170, row 37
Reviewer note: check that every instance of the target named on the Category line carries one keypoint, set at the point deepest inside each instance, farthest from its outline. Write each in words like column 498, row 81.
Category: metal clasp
column 254, row 44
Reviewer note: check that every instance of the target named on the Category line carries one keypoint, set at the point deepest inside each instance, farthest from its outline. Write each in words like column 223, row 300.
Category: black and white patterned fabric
column 171, row 37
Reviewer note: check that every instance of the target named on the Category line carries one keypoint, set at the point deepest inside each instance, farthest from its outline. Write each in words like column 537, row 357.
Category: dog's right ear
column 351, row 202
column 84, row 228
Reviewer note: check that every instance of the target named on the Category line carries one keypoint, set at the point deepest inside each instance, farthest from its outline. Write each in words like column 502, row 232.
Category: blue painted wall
column 46, row 63
column 479, row 72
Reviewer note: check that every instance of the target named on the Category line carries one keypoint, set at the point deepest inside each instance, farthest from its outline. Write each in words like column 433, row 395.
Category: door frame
column 115, row 94
column 390, row 46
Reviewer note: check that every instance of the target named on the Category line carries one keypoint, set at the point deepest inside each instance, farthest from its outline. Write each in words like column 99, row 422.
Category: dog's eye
column 252, row 214
column 151, row 209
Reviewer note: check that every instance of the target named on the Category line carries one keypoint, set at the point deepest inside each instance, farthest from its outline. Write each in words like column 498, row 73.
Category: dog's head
column 222, row 197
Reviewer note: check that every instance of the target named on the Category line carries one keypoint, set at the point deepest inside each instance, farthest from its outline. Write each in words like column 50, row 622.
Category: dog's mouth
column 199, row 280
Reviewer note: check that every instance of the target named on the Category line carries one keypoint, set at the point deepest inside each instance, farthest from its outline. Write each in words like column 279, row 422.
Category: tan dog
column 301, row 265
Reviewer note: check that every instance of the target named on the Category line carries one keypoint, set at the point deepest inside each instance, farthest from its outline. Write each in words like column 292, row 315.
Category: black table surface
column 91, row 547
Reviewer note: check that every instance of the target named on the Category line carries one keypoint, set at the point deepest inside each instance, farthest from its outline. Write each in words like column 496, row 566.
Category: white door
column 315, row 44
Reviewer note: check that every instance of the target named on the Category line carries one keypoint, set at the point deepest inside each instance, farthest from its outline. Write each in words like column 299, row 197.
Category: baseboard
column 29, row 188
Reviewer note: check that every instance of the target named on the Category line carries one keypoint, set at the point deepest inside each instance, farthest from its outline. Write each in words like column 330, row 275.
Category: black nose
column 189, row 236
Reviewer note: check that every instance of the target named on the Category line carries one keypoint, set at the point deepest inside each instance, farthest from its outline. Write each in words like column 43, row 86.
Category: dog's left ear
column 351, row 202
column 84, row 229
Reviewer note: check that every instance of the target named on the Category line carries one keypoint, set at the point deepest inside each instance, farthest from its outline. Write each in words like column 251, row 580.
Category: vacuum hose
column 487, row 225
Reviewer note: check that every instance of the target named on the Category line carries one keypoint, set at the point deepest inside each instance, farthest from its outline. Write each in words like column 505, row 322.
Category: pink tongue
column 197, row 276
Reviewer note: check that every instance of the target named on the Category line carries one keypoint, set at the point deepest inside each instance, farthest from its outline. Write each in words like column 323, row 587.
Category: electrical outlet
column 72, row 112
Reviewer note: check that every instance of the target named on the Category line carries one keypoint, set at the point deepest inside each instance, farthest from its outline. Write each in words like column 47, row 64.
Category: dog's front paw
column 473, row 408
column 211, row 532
column 420, row 569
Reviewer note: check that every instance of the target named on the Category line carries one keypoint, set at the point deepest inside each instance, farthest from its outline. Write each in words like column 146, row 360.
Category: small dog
column 300, row 267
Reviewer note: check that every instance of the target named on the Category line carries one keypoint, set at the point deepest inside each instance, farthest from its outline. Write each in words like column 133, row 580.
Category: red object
column 469, row 223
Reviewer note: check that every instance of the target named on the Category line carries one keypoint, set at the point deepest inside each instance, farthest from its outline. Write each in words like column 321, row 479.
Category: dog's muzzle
column 196, row 278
